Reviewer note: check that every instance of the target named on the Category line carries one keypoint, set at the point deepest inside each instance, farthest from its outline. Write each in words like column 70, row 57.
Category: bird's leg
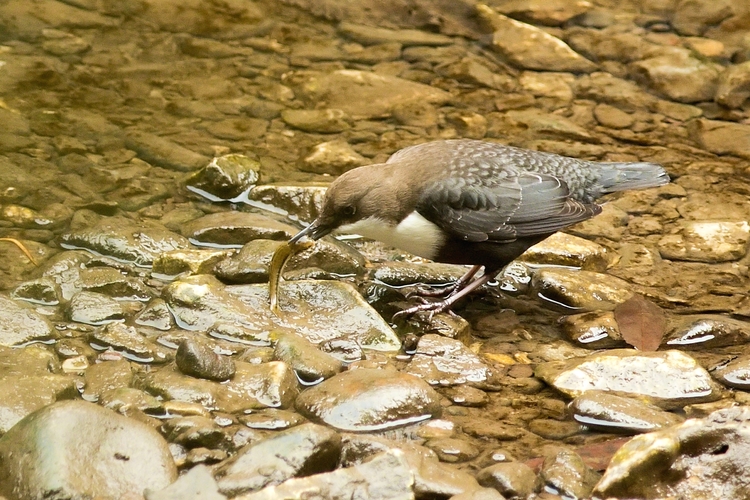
column 446, row 304
column 447, row 291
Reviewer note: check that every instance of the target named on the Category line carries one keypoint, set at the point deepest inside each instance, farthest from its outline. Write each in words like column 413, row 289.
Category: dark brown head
column 361, row 193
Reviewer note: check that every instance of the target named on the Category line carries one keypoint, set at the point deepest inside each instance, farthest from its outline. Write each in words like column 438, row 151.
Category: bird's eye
column 348, row 210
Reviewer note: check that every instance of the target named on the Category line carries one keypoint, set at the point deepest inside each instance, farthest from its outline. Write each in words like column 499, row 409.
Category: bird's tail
column 622, row 176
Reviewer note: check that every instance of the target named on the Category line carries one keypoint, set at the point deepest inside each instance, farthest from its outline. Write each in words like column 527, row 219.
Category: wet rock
column 567, row 250
column 668, row 379
column 678, row 75
column 593, row 330
column 735, row 373
column 466, row 396
column 431, row 477
column 94, row 309
column 567, row 475
column 28, row 382
column 20, row 325
column 272, row 419
column 611, row 413
column 123, row 239
column 580, row 290
column 321, row 121
column 43, row 291
column 191, row 260
column 236, row 228
column 452, row 450
column 309, row 363
column 708, row 332
column 197, row 484
column 122, row 399
column 707, row 241
column 604, row 87
column 511, row 479
column 125, row 340
column 226, row 177
column 299, row 201
column 362, row 94
column 443, row 361
column 251, row 264
column 734, row 85
column 163, row 152
column 300, row 451
column 701, row 458
column 369, row 399
column 194, row 432
column 548, row 126
column 113, row 283
column 126, row 455
column 721, row 137
column 384, row 477
column 200, row 360
column 408, row 273
column 369, row 35
column 552, row 429
column 612, row 117
column 694, row 17
column 106, row 376
column 332, row 157
column 529, row 47
column 155, row 315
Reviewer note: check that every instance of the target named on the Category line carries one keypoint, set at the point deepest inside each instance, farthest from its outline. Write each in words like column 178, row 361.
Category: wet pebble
column 44, row 291
column 113, row 283
column 676, row 73
column 106, row 376
column 611, row 413
column 200, row 360
column 115, row 446
column 659, row 465
column 126, row 340
column 466, row 396
column 580, row 290
column 707, row 241
column 444, row 361
column 734, row 83
column 408, row 273
column 593, row 330
column 196, row 484
column 155, row 315
column 332, row 157
column 300, row 201
column 669, row 379
column 309, row 363
column 271, row 419
column 563, row 249
column 190, row 260
column 94, row 309
column 226, row 177
column 708, row 331
column 20, row 324
column 236, row 228
column 194, row 432
column 511, row 479
column 735, row 373
column 369, row 399
column 567, row 475
column 164, row 152
column 302, row 450
column 452, row 450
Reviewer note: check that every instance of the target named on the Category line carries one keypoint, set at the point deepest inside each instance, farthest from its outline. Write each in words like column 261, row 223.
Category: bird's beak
column 314, row 231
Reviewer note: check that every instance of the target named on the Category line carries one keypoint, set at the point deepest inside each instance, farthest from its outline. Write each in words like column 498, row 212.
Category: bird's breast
column 415, row 234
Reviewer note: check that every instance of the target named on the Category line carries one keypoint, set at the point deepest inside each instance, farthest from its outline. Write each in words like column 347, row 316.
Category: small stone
column 593, row 330
column 163, row 152
column 321, row 121
column 301, row 201
column 199, row 360
column 444, row 361
column 106, row 376
column 707, row 241
column 567, row 475
column 309, row 363
column 466, row 396
column 609, row 412
column 369, row 399
column 734, row 85
column 125, row 340
column 563, row 249
column 234, row 229
column 332, row 157
column 721, row 137
column 511, row 479
column 612, row 117
column 20, row 324
column 679, row 75
column 226, row 177
column 580, row 290
column 94, row 309
column 452, row 450
column 709, row 331
column 42, row 291
column 272, row 419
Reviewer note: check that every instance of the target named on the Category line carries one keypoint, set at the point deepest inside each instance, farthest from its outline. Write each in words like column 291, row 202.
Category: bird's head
column 354, row 196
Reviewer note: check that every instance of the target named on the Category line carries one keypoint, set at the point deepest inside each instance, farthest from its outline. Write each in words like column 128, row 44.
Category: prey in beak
column 314, row 231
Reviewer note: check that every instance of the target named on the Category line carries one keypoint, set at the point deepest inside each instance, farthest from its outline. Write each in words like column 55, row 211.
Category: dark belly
column 493, row 256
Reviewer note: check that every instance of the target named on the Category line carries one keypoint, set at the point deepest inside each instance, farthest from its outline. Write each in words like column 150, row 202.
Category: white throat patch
column 415, row 234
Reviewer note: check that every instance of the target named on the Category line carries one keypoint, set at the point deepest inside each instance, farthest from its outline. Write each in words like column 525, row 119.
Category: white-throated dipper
column 471, row 202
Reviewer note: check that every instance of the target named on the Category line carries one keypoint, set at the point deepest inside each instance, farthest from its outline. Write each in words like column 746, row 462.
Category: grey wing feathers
column 519, row 204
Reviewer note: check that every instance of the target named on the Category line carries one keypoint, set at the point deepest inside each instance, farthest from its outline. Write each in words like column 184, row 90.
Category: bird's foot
column 442, row 291
column 424, row 306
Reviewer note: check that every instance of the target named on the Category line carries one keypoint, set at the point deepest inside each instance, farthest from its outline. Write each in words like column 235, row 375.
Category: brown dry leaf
column 642, row 323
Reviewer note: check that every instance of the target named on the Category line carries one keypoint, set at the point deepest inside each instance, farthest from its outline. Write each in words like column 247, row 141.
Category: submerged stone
column 369, row 400
column 94, row 309
column 579, row 290
column 123, row 239
column 611, row 413
column 593, row 330
column 443, row 361
column 226, row 177
column 234, row 229
column 708, row 332
column 668, row 379
column 701, row 459
column 20, row 324
column 44, row 291
column 77, row 450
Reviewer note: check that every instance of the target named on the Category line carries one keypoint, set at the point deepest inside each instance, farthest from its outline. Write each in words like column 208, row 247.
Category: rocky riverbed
column 155, row 153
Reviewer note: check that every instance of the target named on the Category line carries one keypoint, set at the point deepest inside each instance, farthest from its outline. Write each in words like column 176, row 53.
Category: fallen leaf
column 642, row 323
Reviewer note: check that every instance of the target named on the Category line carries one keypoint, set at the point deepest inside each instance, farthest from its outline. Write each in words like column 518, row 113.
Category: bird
column 471, row 202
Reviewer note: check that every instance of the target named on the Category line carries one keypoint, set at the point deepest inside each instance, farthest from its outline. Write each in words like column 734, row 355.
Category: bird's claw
column 432, row 307
column 444, row 291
